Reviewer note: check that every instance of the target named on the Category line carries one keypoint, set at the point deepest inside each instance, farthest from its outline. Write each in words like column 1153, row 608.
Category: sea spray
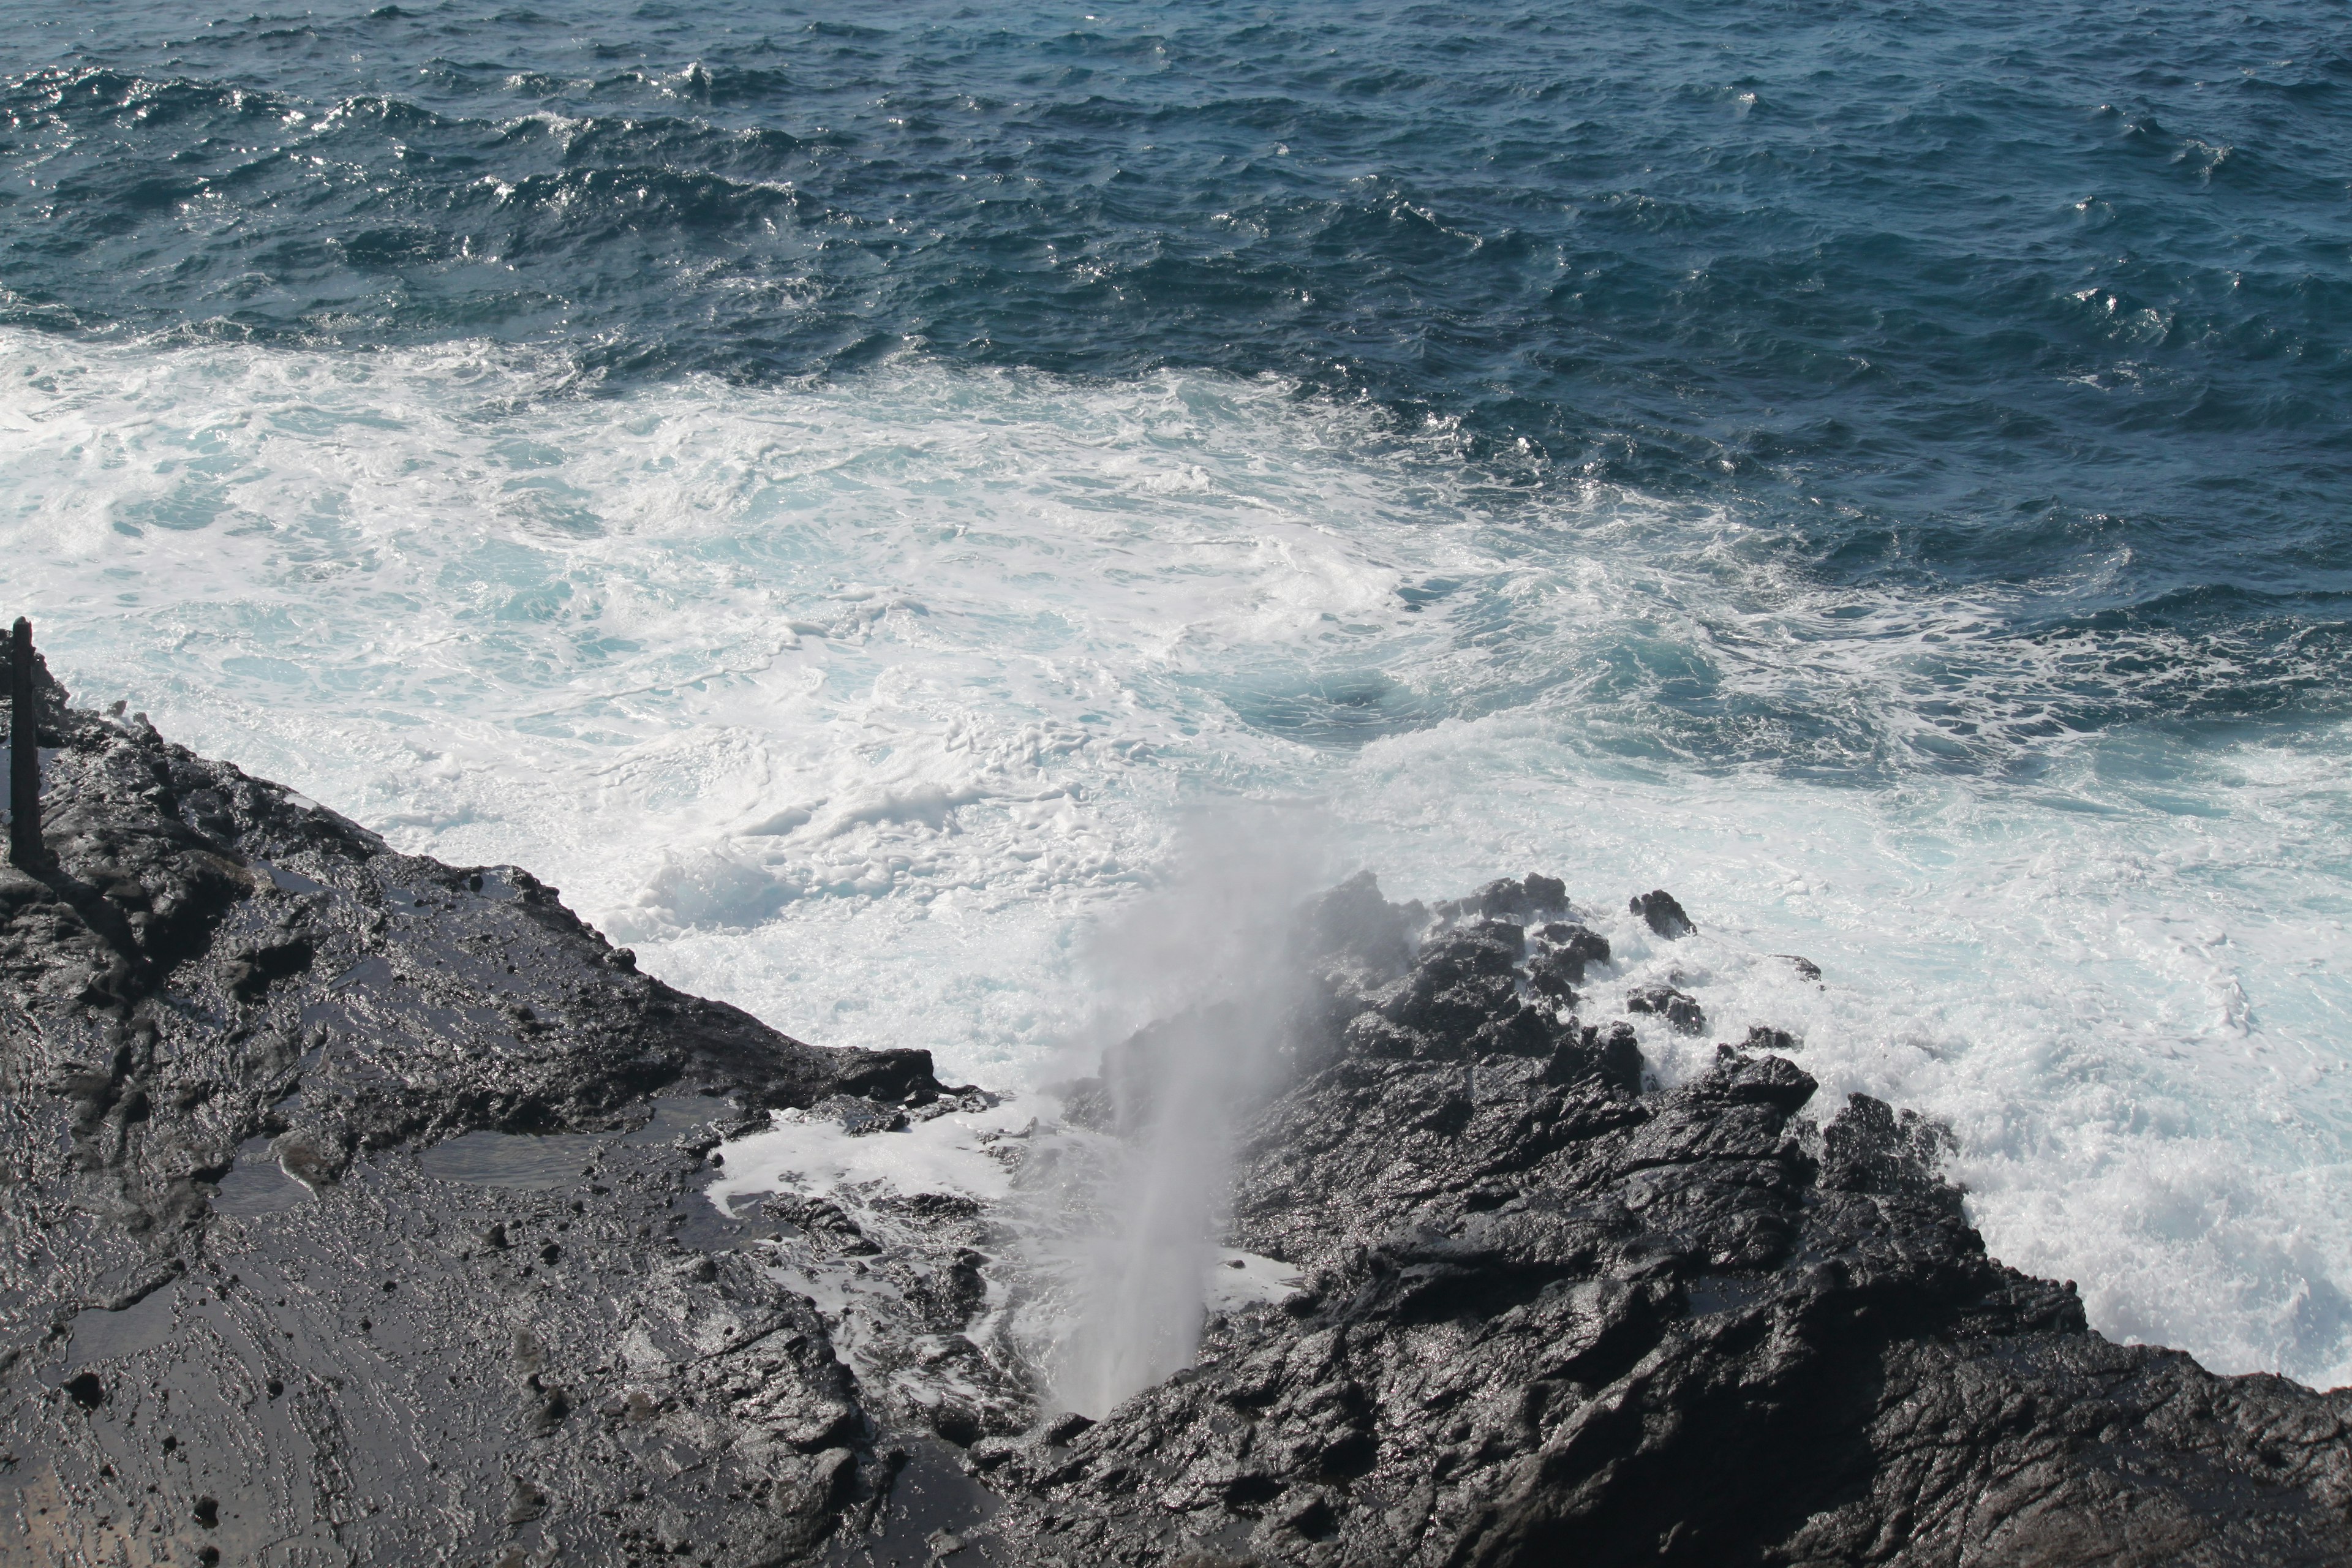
column 1133, row 1205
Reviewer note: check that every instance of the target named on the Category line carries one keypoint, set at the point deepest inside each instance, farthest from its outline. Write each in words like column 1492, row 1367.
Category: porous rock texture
column 1553, row 1312
column 202, row 1361
column 1553, row 1318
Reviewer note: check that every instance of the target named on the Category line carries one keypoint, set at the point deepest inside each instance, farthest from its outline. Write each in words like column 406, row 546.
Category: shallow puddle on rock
column 288, row 881
column 678, row 1115
column 1233, row 1279
column 964, row 1151
column 932, row 1513
column 101, row 1335
column 519, row 1161
column 258, row 1185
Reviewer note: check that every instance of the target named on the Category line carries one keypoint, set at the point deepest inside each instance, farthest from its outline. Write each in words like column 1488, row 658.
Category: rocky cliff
column 283, row 1283
column 1552, row 1318
column 240, row 1321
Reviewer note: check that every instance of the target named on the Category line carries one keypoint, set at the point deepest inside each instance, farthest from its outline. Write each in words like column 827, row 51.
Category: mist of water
column 1204, row 966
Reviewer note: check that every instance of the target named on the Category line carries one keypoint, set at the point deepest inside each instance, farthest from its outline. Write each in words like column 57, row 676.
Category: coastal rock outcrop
column 283, row 1282
column 1550, row 1318
column 355, row 1211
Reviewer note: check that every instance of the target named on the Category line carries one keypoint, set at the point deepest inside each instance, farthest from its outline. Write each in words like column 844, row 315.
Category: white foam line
column 811, row 1155
column 1234, row 1280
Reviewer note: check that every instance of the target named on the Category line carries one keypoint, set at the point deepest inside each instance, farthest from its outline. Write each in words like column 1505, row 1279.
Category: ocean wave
column 837, row 495
column 860, row 703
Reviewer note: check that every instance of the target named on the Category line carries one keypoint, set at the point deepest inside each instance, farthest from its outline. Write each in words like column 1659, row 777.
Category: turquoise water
column 843, row 496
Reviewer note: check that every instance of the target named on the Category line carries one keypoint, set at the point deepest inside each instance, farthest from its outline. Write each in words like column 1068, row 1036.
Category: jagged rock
column 1520, row 900
column 1663, row 914
column 1573, row 942
column 1549, row 1311
column 858, row 1116
column 1680, row 1009
column 213, row 968
column 1551, row 1319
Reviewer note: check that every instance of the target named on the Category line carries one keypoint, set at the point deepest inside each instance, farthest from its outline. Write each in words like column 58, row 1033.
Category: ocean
column 848, row 493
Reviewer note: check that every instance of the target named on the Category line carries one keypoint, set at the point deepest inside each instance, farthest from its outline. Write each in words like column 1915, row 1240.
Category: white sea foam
column 1048, row 1302
column 861, row 705
column 968, row 1154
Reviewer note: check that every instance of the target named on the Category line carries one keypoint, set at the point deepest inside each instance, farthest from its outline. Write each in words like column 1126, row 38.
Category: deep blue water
column 2055, row 299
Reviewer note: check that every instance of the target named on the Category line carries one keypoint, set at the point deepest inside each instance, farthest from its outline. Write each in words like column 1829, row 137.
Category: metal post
column 25, row 847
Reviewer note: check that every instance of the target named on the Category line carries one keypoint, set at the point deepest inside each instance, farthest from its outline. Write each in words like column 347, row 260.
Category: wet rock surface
column 1550, row 1318
column 355, row 1213
column 353, row 1209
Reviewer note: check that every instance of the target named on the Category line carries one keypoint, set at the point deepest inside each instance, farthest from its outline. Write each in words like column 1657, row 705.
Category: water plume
column 1198, row 991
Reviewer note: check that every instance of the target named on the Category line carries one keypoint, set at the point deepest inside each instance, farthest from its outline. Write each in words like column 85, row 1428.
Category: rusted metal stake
column 25, row 847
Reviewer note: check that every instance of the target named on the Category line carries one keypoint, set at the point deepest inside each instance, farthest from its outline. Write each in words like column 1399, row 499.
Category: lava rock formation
column 1552, row 1313
column 203, row 1360
column 1550, row 1318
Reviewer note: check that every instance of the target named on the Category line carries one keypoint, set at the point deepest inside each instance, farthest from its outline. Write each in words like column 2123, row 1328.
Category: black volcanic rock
column 354, row 1213
column 1522, row 900
column 1659, row 910
column 239, row 1312
column 1549, row 1318
column 1679, row 1009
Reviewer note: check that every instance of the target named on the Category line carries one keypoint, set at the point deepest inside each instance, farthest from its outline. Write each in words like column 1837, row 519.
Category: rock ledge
column 285, row 1285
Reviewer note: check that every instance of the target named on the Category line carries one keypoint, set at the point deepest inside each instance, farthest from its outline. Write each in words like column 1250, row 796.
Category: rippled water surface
column 841, row 491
